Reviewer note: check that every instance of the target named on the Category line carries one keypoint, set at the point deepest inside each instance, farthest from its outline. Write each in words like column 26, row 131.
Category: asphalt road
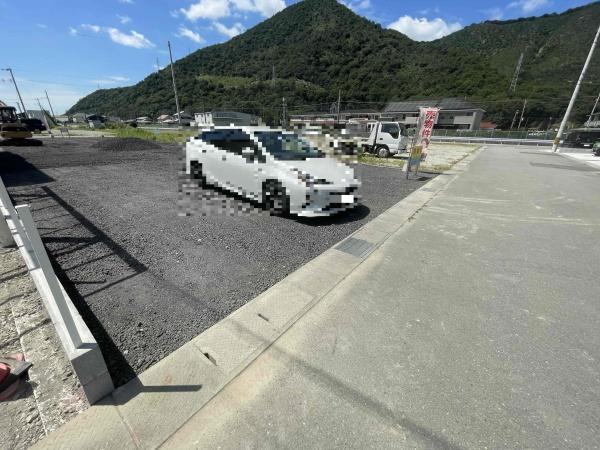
column 488, row 340
column 151, row 260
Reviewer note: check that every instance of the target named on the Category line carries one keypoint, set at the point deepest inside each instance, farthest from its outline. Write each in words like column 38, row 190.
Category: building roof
column 487, row 125
column 229, row 114
column 442, row 103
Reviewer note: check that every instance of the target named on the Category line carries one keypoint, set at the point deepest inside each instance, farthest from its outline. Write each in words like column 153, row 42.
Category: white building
column 225, row 118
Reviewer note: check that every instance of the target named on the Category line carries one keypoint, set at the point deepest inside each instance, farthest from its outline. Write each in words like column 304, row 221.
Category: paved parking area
column 589, row 158
column 146, row 276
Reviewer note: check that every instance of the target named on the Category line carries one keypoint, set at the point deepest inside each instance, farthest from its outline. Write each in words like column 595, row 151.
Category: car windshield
column 287, row 146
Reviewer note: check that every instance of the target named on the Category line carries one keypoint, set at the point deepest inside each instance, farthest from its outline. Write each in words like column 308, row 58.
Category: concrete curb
column 145, row 412
column 85, row 357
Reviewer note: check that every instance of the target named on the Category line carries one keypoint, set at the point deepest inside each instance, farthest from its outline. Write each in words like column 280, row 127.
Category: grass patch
column 439, row 168
column 226, row 81
column 372, row 160
column 169, row 137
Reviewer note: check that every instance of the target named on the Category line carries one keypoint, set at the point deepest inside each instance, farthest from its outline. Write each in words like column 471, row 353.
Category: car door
column 214, row 157
column 390, row 132
column 246, row 163
column 235, row 165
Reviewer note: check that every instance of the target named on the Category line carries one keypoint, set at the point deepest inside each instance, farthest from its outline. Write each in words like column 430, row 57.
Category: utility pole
column 563, row 124
column 174, row 85
column 51, row 110
column 513, row 83
column 43, row 114
column 512, row 124
column 18, row 93
column 338, row 105
column 157, row 66
column 283, row 113
column 522, row 112
column 593, row 109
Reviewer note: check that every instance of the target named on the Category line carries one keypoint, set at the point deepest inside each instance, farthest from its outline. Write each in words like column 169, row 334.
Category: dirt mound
column 124, row 145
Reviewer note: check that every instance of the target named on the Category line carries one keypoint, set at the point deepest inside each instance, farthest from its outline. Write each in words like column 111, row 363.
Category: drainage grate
column 561, row 166
column 355, row 247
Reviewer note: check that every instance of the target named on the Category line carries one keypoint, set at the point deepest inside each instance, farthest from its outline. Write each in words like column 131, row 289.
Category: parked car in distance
column 34, row 125
column 581, row 137
column 596, row 148
column 278, row 168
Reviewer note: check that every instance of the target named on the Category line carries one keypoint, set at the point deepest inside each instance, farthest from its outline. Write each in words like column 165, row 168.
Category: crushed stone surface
column 150, row 259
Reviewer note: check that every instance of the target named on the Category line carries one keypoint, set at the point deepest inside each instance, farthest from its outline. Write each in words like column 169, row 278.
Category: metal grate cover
column 355, row 247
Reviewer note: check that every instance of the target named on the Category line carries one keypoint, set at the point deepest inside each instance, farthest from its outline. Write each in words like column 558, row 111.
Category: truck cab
column 386, row 139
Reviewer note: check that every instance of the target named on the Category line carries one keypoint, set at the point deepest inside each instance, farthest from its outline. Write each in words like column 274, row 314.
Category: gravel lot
column 149, row 268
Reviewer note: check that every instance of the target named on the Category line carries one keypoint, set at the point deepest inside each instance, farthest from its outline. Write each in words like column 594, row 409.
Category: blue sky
column 70, row 47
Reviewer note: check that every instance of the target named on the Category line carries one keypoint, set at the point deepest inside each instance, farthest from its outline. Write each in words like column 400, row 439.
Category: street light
column 17, row 88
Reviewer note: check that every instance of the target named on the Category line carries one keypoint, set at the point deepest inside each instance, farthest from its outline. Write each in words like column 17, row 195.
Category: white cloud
column 186, row 32
column 128, row 2
column 207, row 9
column 357, row 5
column 41, row 25
column 266, row 8
column 233, row 31
column 174, row 14
column 123, row 19
column 62, row 96
column 110, row 80
column 494, row 13
column 527, row 6
column 93, row 28
column 134, row 39
column 73, row 31
column 427, row 11
column 422, row 29
column 217, row 9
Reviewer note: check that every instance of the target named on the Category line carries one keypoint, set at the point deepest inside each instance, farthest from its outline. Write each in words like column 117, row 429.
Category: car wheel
column 196, row 173
column 275, row 198
column 383, row 152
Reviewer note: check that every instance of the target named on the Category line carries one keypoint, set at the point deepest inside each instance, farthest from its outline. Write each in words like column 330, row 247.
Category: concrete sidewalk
column 472, row 324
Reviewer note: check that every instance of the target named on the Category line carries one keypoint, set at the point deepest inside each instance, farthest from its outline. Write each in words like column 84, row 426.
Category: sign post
column 427, row 118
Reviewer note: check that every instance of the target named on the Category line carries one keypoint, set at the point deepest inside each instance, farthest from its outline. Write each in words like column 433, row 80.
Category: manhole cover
column 355, row 247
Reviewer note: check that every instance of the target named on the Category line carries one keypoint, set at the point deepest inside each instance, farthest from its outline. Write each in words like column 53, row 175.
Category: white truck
column 386, row 139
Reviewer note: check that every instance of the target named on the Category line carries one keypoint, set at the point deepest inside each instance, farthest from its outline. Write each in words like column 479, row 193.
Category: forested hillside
column 320, row 46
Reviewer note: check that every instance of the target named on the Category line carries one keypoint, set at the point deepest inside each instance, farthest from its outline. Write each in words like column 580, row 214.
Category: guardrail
column 490, row 140
column 17, row 225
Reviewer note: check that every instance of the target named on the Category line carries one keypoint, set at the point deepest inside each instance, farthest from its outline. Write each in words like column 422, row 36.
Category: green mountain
column 318, row 47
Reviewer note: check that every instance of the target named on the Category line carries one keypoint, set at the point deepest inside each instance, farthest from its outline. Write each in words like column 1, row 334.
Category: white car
column 275, row 167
